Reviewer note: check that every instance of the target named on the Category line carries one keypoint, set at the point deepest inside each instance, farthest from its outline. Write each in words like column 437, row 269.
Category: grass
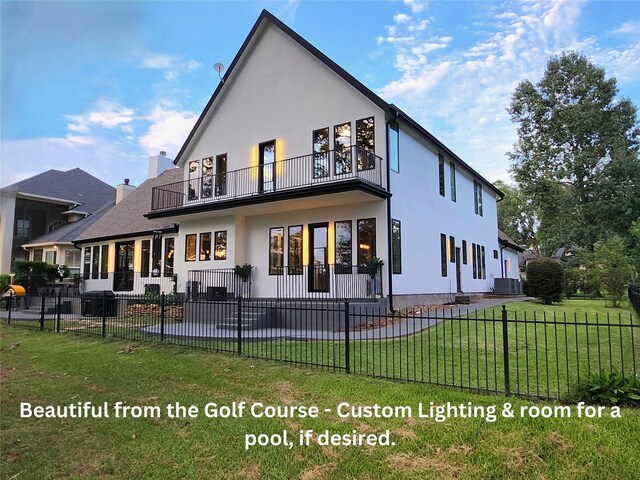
column 49, row 369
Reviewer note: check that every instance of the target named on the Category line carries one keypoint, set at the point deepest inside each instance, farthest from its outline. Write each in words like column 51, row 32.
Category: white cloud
column 462, row 94
column 159, row 62
column 628, row 28
column 401, row 18
column 416, row 6
column 104, row 113
column 168, row 130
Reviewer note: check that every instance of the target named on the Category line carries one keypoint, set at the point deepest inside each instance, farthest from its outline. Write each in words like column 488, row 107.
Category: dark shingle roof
column 74, row 186
column 126, row 219
column 505, row 240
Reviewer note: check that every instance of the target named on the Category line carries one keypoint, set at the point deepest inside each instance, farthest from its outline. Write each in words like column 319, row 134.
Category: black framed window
column 190, row 248
column 344, row 246
column 396, row 246
column 342, row 147
column 169, row 251
column 205, row 246
column 443, row 254
column 366, row 240
column 194, row 172
column 221, row 175
column 104, row 262
column 394, row 146
column 441, row 174
column 267, row 171
column 464, row 252
column 495, row 254
column 86, row 270
column 220, row 247
column 95, row 262
column 321, row 152
column 145, row 264
column 483, row 263
column 474, row 260
column 276, row 250
column 452, row 171
column 156, row 254
column 365, row 140
column 452, row 249
column 477, row 195
column 294, row 254
column 207, row 177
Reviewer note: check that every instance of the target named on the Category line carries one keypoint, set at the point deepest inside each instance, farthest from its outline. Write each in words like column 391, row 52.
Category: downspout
column 394, row 114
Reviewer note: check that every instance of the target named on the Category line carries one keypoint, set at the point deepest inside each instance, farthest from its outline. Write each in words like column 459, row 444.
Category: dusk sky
column 102, row 85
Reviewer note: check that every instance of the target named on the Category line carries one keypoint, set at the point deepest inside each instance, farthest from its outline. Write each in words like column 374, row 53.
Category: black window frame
column 341, row 151
column 292, row 267
column 477, row 198
column 443, row 255
column 360, row 254
column 220, row 183
column 342, row 267
column 396, row 247
column 464, row 252
column 474, row 260
column 195, row 247
column 483, row 263
column 220, row 237
column 370, row 157
column 394, row 159
column 203, row 254
column 441, row 175
column 452, row 249
column 86, row 262
column 104, row 262
column 320, row 155
column 452, row 172
column 276, row 270
column 169, row 256
column 95, row 262
column 145, row 258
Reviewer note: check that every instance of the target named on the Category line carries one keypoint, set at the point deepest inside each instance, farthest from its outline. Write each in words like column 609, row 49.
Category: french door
column 319, row 264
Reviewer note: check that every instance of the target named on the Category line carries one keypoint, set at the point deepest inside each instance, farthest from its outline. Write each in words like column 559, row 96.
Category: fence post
column 162, row 304
column 239, row 324
column 505, row 349
column 347, row 346
column 42, row 312
column 10, row 307
column 58, row 310
column 104, row 313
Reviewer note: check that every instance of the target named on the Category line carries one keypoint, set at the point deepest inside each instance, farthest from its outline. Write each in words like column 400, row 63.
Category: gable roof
column 393, row 111
column 505, row 240
column 72, row 187
column 126, row 219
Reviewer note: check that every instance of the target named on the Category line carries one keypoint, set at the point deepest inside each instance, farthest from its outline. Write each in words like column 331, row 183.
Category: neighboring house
column 298, row 169
column 124, row 250
column 41, row 215
column 509, row 256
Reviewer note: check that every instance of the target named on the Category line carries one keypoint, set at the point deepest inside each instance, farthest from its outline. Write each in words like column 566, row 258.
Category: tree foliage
column 546, row 280
column 517, row 216
column 614, row 267
column 576, row 157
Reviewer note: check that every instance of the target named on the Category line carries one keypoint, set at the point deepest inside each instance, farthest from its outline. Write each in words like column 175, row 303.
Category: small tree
column 615, row 267
column 546, row 280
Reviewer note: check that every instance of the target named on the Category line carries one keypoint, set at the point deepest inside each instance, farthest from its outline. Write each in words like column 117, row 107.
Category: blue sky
column 102, row 85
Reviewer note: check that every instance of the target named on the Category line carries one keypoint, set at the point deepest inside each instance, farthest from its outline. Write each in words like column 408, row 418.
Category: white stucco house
column 298, row 169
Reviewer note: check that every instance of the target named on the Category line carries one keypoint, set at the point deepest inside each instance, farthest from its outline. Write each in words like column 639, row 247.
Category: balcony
column 311, row 174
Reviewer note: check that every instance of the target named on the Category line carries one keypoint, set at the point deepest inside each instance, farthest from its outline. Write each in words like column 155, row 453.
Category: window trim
column 443, row 255
column 214, row 242
column 441, row 185
column 145, row 273
column 375, row 234
column 452, row 173
column 169, row 241
column 396, row 128
column 295, row 269
column 343, row 268
column 195, row 246
column 272, row 268
column 398, row 270
column 372, row 117
column 348, row 149
column 314, row 153
column 205, row 257
column 104, row 261
column 464, row 252
column 95, row 262
column 452, row 249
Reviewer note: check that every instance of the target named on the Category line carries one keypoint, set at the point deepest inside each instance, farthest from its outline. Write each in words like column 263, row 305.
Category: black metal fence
column 498, row 351
column 634, row 298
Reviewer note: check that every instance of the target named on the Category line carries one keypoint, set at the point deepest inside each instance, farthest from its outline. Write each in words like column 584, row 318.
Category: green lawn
column 46, row 368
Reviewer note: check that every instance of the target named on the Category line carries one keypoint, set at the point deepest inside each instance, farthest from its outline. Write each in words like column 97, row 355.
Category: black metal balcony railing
column 329, row 282
column 317, row 168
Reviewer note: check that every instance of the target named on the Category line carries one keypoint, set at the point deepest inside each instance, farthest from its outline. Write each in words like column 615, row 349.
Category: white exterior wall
column 425, row 214
column 7, row 213
column 510, row 262
column 281, row 93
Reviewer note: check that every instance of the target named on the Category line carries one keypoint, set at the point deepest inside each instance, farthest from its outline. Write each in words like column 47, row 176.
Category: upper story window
column 396, row 244
column 342, row 146
column 452, row 171
column 477, row 195
column 221, row 175
column 207, row 177
column 441, row 173
column 394, row 147
column 321, row 152
column 365, row 140
column 194, row 172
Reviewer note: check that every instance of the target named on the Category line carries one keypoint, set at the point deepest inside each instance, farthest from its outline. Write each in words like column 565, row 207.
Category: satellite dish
column 218, row 67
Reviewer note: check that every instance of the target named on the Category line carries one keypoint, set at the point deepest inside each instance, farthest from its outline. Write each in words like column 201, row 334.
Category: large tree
column 517, row 216
column 576, row 157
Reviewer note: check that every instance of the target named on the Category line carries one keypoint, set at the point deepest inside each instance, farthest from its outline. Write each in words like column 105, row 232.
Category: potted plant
column 373, row 265
column 243, row 271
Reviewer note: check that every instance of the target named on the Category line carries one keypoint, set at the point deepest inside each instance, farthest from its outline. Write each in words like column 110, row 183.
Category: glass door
column 123, row 276
column 319, row 264
column 267, row 168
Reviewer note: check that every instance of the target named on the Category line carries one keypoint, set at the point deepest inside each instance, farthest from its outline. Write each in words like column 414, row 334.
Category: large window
column 464, row 252
column 443, row 254
column 190, row 248
column 207, row 177
column 441, row 174
column 344, row 246
column 95, row 262
column 452, row 249
column 483, row 264
column 474, row 260
column 452, row 171
column 145, row 265
column 169, row 250
column 394, row 147
column 396, row 246
column 366, row 240
column 205, row 246
column 276, row 250
column 365, row 140
column 321, row 152
column 104, row 262
column 477, row 195
column 295, row 250
column 267, row 160
column 194, row 172
column 342, row 146
column 86, row 271
column 220, row 247
column 50, row 257
column 72, row 260
column 221, row 175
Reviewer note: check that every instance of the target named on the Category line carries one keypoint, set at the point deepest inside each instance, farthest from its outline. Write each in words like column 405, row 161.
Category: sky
column 102, row 85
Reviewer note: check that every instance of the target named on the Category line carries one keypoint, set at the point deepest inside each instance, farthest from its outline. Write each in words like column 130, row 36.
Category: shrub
column 5, row 279
column 546, row 280
column 32, row 275
column 609, row 388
